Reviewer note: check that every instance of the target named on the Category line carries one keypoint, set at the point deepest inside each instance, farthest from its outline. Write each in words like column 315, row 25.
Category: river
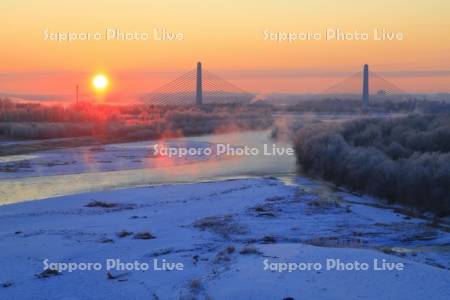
column 82, row 169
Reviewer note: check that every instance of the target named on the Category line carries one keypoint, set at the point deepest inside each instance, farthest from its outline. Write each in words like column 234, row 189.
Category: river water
column 74, row 170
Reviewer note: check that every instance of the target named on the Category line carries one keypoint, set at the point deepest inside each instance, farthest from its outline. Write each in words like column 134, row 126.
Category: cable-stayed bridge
column 369, row 85
column 354, row 83
column 198, row 86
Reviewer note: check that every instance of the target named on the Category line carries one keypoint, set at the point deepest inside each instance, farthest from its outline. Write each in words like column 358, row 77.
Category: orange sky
column 227, row 36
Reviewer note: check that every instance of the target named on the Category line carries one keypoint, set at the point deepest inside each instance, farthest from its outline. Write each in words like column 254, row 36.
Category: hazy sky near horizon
column 228, row 37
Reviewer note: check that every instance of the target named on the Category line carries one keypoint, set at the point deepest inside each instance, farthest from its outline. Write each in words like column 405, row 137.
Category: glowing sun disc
column 100, row 81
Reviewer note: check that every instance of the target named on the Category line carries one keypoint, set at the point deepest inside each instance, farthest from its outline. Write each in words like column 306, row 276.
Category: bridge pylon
column 199, row 85
column 365, row 88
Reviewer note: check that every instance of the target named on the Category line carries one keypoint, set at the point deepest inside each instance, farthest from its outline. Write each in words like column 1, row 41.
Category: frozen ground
column 222, row 232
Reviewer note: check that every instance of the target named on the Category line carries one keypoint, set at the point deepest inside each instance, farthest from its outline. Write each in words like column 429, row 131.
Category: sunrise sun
column 100, row 82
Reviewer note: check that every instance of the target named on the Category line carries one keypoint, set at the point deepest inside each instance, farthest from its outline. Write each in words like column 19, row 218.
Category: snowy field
column 231, row 238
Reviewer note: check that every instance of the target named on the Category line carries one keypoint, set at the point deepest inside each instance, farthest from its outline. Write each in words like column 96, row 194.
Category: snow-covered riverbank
column 225, row 235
